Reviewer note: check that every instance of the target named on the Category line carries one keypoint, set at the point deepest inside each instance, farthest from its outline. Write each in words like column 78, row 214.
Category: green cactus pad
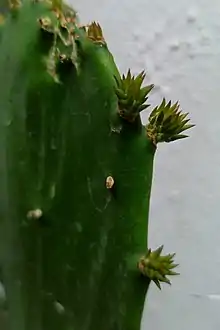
column 75, row 176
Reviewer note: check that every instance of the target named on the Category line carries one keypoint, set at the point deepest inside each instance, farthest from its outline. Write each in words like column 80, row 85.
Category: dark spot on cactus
column 47, row 40
column 65, row 67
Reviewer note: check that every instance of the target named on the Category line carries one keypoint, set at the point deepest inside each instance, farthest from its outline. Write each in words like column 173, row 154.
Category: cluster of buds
column 167, row 122
column 157, row 267
column 131, row 97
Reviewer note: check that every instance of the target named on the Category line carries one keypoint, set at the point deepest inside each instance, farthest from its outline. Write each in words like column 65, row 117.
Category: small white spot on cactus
column 59, row 307
column 109, row 182
column 116, row 129
column 35, row 214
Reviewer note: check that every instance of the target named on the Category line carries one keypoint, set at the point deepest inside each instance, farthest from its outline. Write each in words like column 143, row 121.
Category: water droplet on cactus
column 59, row 307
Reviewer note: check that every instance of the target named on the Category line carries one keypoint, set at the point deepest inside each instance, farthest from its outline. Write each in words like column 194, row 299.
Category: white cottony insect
column 34, row 214
column 109, row 182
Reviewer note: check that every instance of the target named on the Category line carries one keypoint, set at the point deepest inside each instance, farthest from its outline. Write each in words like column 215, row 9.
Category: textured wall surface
column 178, row 43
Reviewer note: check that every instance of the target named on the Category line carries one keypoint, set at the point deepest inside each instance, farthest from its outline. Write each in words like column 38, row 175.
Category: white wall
column 178, row 43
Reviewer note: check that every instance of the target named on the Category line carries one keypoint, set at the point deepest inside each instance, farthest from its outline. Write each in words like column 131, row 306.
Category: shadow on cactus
column 76, row 175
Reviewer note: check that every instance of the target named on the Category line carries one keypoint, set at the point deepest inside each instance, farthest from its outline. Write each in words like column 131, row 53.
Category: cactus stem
column 35, row 214
column 109, row 182
column 74, row 223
